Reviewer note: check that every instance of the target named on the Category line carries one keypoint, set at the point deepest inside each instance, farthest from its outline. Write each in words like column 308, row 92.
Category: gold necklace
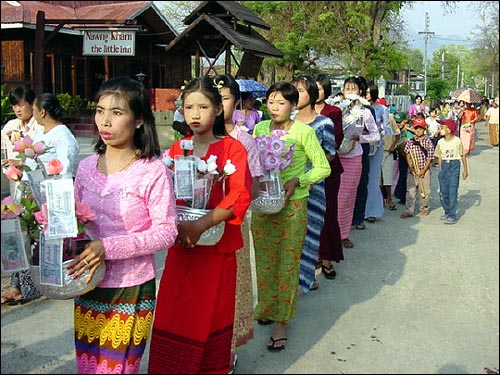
column 134, row 158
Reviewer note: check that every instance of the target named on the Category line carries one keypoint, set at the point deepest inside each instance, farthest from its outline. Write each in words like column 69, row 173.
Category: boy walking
column 419, row 155
column 449, row 151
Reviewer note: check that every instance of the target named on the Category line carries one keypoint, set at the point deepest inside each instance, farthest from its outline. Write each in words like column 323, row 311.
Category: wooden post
column 39, row 51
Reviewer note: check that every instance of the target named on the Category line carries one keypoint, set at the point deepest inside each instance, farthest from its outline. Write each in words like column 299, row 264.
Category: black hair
column 373, row 88
column 20, row 93
column 325, row 82
column 227, row 80
column 286, row 89
column 136, row 96
column 358, row 81
column 310, row 86
column 208, row 87
column 51, row 104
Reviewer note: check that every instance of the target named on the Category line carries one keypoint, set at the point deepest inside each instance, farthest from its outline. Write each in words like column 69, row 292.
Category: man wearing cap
column 419, row 155
column 450, row 151
column 492, row 122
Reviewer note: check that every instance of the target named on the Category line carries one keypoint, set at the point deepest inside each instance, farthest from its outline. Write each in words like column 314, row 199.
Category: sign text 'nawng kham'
column 109, row 43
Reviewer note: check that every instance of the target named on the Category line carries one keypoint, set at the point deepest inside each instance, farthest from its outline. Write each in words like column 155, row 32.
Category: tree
column 353, row 33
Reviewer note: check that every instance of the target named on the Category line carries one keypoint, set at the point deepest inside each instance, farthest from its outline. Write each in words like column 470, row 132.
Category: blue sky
column 460, row 23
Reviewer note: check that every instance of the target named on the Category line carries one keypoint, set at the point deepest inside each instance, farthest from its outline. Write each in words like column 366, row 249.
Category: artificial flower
column 273, row 151
column 229, row 168
column 10, row 209
column 13, row 173
column 54, row 167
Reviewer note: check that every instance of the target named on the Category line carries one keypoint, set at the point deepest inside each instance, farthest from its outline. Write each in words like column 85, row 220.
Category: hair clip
column 219, row 85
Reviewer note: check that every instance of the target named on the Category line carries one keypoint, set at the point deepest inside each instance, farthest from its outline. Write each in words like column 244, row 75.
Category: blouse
column 135, row 217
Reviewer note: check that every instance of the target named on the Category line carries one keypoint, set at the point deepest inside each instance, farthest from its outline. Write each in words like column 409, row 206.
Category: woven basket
column 212, row 235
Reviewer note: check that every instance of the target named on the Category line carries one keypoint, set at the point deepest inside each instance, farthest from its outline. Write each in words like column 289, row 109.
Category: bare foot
column 12, row 294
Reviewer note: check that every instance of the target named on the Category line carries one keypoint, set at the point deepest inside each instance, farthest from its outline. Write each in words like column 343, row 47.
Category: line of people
column 347, row 163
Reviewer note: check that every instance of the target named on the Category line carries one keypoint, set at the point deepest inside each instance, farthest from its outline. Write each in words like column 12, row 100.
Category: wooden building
column 44, row 45
column 60, row 36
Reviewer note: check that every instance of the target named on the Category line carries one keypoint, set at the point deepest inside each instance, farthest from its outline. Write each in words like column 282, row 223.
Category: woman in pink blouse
column 130, row 191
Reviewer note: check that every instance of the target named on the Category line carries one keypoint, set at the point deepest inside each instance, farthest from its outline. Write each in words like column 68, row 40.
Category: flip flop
column 265, row 322
column 329, row 272
column 347, row 243
column 393, row 207
column 273, row 348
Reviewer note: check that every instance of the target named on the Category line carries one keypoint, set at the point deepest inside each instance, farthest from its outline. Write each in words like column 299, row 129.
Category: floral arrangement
column 33, row 214
column 273, row 153
column 352, row 107
column 196, row 189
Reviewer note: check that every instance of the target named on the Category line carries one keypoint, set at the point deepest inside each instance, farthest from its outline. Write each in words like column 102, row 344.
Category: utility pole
column 426, row 33
column 442, row 66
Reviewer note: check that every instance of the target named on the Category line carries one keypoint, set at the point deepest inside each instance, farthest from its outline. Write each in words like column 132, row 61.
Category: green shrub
column 7, row 112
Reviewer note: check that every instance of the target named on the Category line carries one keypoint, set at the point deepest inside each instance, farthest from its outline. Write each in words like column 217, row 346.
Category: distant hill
column 417, row 41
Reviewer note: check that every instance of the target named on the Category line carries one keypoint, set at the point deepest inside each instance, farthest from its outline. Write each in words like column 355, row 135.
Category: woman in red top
column 194, row 314
column 468, row 120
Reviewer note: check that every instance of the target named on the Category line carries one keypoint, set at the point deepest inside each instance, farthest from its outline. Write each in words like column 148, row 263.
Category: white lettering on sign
column 108, row 43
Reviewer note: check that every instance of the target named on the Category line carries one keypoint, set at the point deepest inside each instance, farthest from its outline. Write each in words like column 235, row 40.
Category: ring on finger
column 85, row 261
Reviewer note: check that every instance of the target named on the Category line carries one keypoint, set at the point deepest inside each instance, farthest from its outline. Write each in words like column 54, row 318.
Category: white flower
column 201, row 165
column 212, row 167
column 187, row 144
column 229, row 168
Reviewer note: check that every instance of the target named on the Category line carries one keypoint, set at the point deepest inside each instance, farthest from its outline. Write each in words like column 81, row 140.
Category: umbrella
column 454, row 94
column 470, row 96
column 249, row 85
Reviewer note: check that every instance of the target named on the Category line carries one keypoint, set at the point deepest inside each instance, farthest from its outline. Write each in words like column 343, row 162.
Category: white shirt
column 64, row 147
column 31, row 128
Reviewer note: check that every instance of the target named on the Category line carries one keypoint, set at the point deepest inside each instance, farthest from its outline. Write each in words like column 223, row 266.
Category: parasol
column 257, row 89
column 470, row 96
column 454, row 94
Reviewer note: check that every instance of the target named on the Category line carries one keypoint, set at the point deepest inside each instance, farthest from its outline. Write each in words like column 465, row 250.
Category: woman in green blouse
column 279, row 238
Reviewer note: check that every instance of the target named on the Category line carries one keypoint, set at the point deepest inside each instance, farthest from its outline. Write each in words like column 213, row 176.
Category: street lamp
column 140, row 76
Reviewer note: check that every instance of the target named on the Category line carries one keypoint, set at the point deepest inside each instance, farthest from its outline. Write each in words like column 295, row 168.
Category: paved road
column 412, row 296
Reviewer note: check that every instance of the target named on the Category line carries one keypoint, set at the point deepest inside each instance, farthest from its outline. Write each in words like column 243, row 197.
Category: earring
column 138, row 126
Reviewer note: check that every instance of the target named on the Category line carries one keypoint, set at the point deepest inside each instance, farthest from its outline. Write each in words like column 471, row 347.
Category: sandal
column 393, row 207
column 272, row 347
column 265, row 322
column 315, row 285
column 360, row 226
column 371, row 219
column 347, row 243
column 406, row 215
column 329, row 272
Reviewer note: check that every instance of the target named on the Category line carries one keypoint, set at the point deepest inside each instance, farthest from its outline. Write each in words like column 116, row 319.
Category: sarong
column 112, row 326
column 347, row 193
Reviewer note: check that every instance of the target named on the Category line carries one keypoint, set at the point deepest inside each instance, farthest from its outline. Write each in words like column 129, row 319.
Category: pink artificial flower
column 39, row 148
column 13, row 173
column 10, row 209
column 84, row 213
column 41, row 216
column 54, row 167
column 29, row 152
